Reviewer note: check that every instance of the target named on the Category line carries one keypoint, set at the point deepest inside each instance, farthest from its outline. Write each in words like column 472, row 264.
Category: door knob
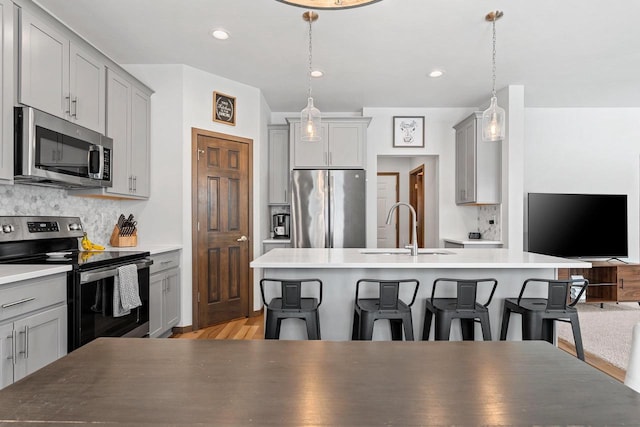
column 242, row 239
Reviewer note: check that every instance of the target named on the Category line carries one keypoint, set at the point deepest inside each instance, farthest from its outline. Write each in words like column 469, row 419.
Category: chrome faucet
column 414, row 232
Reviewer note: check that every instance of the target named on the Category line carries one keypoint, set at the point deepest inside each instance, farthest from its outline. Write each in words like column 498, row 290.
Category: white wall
column 183, row 100
column 585, row 150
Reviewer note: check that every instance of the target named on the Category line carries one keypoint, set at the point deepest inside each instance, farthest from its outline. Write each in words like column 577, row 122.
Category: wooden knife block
column 123, row 241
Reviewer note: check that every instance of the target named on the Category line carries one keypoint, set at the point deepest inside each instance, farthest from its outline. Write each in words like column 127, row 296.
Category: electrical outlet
column 493, row 220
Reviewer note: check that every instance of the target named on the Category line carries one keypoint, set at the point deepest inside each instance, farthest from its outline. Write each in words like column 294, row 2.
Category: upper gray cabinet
column 278, row 164
column 342, row 144
column 6, row 91
column 60, row 76
column 128, row 123
column 478, row 164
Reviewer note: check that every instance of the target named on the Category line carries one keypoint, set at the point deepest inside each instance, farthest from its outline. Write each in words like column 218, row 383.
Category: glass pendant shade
column 310, row 123
column 493, row 122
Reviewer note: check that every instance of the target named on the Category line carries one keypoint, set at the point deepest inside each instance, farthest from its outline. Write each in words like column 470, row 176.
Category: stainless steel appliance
column 281, row 226
column 53, row 152
column 54, row 240
column 328, row 208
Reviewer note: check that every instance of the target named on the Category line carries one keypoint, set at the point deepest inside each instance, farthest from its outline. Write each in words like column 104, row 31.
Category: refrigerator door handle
column 332, row 210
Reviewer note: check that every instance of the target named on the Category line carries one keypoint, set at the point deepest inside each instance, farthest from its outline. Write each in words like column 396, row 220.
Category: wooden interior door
column 222, row 228
column 416, row 199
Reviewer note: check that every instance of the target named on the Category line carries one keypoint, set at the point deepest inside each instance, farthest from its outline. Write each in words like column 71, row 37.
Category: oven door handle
column 103, row 273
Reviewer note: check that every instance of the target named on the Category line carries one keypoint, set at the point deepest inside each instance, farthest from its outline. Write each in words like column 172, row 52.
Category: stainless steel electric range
column 54, row 241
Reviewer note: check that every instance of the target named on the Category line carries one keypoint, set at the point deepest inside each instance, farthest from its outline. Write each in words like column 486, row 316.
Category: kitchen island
column 340, row 269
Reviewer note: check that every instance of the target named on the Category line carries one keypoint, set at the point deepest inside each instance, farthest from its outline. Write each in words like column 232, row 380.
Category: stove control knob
column 75, row 226
column 7, row 228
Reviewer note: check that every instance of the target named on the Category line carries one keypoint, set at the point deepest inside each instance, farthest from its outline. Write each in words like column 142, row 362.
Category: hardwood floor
column 252, row 328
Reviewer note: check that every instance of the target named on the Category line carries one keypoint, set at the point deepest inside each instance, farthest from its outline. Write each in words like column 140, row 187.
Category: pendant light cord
column 310, row 57
column 493, row 92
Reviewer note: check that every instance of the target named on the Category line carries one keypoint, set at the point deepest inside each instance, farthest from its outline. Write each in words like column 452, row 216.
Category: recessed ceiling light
column 317, row 73
column 220, row 34
column 436, row 73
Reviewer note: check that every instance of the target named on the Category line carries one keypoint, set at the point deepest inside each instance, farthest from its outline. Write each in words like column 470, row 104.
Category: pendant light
column 493, row 117
column 310, row 120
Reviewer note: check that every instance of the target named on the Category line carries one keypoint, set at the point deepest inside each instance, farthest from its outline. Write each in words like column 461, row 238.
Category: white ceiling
column 566, row 53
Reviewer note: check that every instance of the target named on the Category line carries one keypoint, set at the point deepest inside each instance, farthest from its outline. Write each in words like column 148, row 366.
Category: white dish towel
column 125, row 290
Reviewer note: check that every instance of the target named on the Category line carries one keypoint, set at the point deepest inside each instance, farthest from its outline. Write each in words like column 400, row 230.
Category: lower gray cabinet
column 33, row 329
column 164, row 294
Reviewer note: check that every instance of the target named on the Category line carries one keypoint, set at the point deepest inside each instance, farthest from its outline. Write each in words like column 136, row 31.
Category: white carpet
column 606, row 332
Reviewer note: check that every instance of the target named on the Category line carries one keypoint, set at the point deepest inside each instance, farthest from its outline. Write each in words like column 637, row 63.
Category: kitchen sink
column 400, row 251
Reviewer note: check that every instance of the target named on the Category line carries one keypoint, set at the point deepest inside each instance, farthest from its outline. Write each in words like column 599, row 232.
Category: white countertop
column 152, row 249
column 473, row 241
column 485, row 258
column 16, row 272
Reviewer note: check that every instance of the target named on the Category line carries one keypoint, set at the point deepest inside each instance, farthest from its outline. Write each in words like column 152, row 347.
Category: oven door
column 91, row 306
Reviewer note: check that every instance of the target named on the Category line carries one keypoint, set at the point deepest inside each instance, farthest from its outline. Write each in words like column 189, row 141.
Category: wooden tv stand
column 609, row 281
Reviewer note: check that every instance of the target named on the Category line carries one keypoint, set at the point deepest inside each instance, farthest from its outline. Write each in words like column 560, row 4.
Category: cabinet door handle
column 621, row 283
column 324, row 158
column 285, row 194
column 75, row 104
column 130, row 183
column 68, row 99
column 330, row 159
column 14, row 346
column 135, row 184
column 26, row 342
column 22, row 301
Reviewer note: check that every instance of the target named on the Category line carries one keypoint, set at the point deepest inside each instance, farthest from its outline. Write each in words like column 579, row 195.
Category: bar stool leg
column 506, row 314
column 577, row 336
column 355, row 330
column 443, row 327
column 396, row 329
column 407, row 322
column 366, row 327
column 271, row 332
column 312, row 329
column 426, row 329
column 468, row 329
column 486, row 326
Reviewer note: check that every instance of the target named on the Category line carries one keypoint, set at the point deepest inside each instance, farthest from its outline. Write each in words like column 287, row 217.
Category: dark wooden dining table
column 280, row 383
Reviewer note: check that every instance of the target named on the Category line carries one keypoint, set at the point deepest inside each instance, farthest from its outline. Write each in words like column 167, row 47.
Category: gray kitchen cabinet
column 342, row 144
column 164, row 294
column 128, row 123
column 267, row 245
column 6, row 91
column 60, row 76
column 278, row 164
column 33, row 326
column 478, row 164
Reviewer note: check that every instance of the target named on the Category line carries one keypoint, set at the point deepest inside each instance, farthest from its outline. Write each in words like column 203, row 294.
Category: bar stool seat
column 387, row 305
column 539, row 314
column 464, row 307
column 291, row 305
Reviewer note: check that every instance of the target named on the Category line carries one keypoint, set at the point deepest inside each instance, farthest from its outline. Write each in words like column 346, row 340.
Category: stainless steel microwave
column 54, row 152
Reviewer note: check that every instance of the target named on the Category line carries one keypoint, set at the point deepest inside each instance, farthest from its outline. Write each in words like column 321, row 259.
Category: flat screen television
column 577, row 225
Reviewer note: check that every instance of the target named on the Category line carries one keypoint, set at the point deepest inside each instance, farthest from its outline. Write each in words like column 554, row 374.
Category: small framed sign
column 408, row 131
column 224, row 108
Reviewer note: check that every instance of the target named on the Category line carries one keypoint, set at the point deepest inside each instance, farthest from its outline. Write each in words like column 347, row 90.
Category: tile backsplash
column 487, row 214
column 98, row 216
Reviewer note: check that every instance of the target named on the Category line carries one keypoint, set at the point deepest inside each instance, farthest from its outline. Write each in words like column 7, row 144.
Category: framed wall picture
column 224, row 108
column 408, row 131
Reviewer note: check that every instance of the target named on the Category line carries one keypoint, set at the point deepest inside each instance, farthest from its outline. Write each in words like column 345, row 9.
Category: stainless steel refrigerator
column 328, row 208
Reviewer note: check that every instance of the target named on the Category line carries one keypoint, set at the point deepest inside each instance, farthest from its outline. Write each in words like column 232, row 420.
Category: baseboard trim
column 182, row 329
column 256, row 313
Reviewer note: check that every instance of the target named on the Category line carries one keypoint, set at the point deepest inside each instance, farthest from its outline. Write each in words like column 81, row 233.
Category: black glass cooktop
column 81, row 259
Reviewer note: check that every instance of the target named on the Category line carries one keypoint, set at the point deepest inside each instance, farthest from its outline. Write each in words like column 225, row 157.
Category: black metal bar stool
column 538, row 314
column 290, row 305
column 464, row 307
column 388, row 305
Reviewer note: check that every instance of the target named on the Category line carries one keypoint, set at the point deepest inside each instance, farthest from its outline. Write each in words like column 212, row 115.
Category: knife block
column 123, row 241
